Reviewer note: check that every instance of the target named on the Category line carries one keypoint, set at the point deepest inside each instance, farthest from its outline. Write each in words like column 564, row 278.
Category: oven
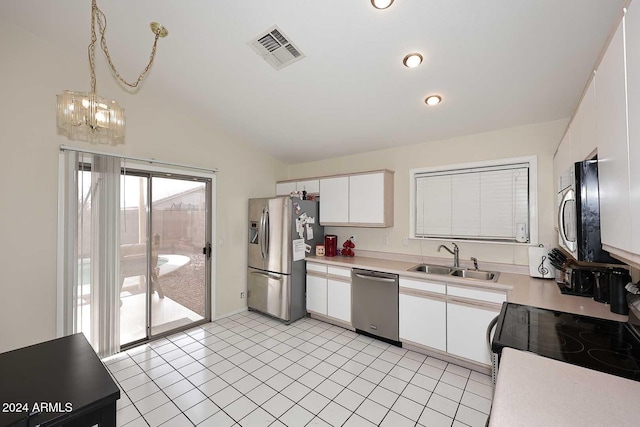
column 599, row 344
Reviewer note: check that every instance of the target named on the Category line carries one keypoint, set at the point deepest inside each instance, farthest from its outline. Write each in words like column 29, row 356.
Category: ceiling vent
column 276, row 48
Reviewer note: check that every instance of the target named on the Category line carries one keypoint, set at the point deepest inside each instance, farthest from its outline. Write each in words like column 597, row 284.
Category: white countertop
column 536, row 391
column 521, row 289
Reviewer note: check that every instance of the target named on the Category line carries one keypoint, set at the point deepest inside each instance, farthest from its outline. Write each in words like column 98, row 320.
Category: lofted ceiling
column 496, row 63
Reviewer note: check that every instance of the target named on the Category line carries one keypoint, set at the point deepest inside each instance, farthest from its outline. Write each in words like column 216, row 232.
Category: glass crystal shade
column 89, row 117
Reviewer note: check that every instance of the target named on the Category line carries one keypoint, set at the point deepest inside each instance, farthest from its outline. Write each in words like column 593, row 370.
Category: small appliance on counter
column 540, row 264
column 330, row 245
column 618, row 279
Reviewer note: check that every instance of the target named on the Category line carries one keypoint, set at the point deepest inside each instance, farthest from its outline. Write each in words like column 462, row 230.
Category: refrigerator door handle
column 268, row 276
column 267, row 226
column 261, row 234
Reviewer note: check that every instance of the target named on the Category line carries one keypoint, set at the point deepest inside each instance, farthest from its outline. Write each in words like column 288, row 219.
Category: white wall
column 32, row 73
column 538, row 139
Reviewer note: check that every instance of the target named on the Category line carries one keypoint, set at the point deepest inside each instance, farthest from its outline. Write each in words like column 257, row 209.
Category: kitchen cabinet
column 561, row 162
column 422, row 311
column 613, row 154
column 469, row 312
column 632, row 39
column 334, row 200
column 329, row 293
column 584, row 128
column 285, row 188
column 357, row 200
column 467, row 324
column 339, row 299
column 311, row 186
column 317, row 294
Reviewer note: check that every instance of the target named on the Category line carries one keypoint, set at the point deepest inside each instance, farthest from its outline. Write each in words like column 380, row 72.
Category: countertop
column 536, row 391
column 521, row 288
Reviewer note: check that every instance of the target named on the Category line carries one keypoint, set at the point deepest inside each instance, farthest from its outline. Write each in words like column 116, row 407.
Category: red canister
column 330, row 245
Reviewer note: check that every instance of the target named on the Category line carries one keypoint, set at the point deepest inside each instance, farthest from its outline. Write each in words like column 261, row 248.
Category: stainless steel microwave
column 579, row 213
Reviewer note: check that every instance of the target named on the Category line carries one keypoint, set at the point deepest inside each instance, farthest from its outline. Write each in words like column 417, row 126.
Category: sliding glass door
column 164, row 264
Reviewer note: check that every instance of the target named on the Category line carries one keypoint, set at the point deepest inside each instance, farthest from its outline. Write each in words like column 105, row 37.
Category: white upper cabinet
column 584, row 128
column 334, row 200
column 613, row 158
column 366, row 198
column 632, row 27
column 311, row 186
column 358, row 200
column 285, row 188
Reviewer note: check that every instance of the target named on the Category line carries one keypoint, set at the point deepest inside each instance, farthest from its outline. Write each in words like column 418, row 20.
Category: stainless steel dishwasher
column 374, row 303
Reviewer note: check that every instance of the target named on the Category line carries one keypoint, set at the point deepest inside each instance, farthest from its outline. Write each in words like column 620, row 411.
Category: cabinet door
column 632, row 34
column 311, row 186
column 339, row 300
column 466, row 330
column 334, row 207
column 285, row 188
column 613, row 158
column 561, row 162
column 366, row 198
column 423, row 321
column 584, row 137
column 317, row 294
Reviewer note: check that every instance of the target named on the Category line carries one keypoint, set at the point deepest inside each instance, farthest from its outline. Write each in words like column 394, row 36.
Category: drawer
column 319, row 268
column 338, row 271
column 422, row 285
column 487, row 295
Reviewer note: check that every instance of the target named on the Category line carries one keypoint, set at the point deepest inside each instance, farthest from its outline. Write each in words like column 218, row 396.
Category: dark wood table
column 63, row 379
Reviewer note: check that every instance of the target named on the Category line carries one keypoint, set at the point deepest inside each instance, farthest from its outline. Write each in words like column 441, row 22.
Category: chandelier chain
column 100, row 17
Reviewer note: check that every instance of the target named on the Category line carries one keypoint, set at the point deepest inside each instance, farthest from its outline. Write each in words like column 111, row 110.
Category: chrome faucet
column 475, row 262
column 455, row 252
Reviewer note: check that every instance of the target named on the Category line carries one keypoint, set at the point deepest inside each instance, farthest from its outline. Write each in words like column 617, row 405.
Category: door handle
column 266, row 232
column 268, row 276
column 563, row 234
column 261, row 234
column 207, row 250
column 374, row 278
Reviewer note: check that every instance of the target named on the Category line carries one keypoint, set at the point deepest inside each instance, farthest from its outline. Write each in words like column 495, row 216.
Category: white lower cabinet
column 339, row 300
column 466, row 330
column 329, row 292
column 317, row 294
column 423, row 320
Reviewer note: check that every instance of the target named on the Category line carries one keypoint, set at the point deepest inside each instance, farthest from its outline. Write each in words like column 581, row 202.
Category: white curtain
column 91, row 222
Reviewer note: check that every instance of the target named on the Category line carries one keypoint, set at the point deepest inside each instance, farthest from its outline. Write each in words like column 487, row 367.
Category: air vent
column 276, row 48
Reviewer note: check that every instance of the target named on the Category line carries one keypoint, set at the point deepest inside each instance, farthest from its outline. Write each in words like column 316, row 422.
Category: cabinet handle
column 475, row 304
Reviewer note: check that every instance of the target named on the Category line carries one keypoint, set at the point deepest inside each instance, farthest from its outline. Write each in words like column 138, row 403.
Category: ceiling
column 496, row 63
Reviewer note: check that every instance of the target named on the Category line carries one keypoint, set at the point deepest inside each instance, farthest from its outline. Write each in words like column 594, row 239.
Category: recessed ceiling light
column 433, row 100
column 412, row 60
column 381, row 4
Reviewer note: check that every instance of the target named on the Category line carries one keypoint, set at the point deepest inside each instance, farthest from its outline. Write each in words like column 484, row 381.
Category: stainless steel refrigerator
column 276, row 279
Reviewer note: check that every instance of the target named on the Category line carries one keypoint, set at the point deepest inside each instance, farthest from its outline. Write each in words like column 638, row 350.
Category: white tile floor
column 250, row 370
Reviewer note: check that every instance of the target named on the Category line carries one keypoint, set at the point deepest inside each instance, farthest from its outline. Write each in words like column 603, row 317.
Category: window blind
column 484, row 203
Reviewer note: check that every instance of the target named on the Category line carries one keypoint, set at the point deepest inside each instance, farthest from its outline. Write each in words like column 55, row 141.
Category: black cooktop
column 598, row 344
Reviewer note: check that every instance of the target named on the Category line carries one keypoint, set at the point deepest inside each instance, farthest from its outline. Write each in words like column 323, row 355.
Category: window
column 490, row 201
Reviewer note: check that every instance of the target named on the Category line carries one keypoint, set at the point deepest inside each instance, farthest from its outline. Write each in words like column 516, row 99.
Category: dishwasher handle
column 374, row 278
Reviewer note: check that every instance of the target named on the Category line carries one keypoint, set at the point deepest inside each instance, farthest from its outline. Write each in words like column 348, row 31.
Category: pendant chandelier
column 86, row 116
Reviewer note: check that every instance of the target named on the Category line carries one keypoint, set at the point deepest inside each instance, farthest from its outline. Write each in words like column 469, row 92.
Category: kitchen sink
column 433, row 269
column 476, row 274
column 457, row 272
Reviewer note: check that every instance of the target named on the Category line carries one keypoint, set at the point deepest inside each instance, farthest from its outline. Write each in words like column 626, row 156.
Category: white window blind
column 483, row 203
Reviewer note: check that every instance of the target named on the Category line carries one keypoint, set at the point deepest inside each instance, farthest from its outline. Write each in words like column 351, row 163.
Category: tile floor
column 250, row 370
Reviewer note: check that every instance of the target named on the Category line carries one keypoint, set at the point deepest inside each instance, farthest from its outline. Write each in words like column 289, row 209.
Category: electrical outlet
column 241, row 295
column 385, row 240
column 405, row 241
